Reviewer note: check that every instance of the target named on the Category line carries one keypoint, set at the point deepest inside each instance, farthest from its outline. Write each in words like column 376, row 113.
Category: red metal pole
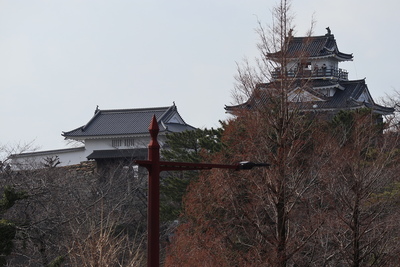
column 154, row 167
column 153, row 209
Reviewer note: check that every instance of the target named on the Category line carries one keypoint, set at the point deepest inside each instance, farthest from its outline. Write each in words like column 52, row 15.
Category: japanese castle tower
column 317, row 82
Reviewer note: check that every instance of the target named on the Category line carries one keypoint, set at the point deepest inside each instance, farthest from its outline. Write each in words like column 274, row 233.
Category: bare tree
column 252, row 218
column 360, row 231
column 101, row 240
column 316, row 205
column 393, row 120
column 75, row 197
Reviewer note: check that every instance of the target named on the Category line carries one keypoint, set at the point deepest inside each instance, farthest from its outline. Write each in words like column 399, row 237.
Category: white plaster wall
column 73, row 156
column 364, row 97
column 36, row 159
column 106, row 143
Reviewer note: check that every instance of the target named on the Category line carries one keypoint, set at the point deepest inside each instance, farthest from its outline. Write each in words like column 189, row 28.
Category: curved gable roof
column 127, row 122
column 313, row 47
column 347, row 97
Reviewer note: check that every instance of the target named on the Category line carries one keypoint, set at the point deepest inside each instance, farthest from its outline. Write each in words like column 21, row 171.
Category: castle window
column 129, row 142
column 116, row 142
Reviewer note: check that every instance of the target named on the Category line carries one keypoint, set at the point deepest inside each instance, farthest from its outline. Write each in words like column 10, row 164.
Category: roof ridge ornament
column 329, row 31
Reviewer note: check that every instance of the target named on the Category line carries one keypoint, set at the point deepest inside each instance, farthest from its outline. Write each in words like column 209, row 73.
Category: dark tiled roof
column 127, row 122
column 344, row 98
column 313, row 47
column 327, row 83
column 139, row 153
column 347, row 98
column 176, row 127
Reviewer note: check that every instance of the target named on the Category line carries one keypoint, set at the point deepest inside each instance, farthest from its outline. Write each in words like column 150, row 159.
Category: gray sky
column 61, row 58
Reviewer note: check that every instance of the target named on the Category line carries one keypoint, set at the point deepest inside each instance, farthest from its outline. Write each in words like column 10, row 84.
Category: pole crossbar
column 186, row 166
column 154, row 167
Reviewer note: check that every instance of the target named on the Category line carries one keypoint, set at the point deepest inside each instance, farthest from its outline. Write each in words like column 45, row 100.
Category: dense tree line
column 73, row 216
column 329, row 198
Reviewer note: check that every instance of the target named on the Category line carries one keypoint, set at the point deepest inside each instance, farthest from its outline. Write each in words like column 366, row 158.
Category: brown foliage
column 243, row 217
column 315, row 206
column 360, row 230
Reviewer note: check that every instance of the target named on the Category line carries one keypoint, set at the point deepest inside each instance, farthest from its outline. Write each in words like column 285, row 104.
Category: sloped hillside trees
column 323, row 201
column 249, row 218
column 363, row 169
column 253, row 219
column 72, row 215
column 330, row 197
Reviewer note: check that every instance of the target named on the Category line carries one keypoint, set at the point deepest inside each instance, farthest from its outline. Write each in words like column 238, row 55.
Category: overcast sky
column 61, row 58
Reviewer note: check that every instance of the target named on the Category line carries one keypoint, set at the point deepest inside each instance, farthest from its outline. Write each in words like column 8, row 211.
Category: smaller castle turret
column 315, row 57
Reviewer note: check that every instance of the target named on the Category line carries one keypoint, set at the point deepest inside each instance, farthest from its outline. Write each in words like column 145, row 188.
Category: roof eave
column 111, row 136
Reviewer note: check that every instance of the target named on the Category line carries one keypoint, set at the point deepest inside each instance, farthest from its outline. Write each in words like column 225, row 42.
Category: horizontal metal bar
column 174, row 166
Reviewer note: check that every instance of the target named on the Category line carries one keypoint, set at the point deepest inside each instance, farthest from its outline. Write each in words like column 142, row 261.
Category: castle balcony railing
column 320, row 73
